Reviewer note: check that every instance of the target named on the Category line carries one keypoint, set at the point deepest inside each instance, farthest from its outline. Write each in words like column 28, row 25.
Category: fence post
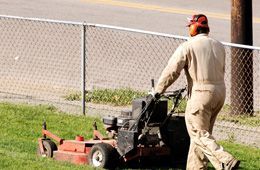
column 83, row 66
column 242, row 61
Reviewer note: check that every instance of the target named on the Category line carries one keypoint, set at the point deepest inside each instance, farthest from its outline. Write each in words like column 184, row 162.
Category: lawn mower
column 147, row 131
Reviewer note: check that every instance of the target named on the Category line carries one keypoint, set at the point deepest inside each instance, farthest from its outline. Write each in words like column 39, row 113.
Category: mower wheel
column 103, row 155
column 49, row 146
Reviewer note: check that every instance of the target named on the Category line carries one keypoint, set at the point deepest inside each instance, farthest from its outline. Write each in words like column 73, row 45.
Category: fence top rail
column 42, row 20
column 138, row 31
column 123, row 29
column 167, row 35
column 241, row 46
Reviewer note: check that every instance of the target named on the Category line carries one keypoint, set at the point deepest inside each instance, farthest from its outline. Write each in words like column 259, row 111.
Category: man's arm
column 172, row 70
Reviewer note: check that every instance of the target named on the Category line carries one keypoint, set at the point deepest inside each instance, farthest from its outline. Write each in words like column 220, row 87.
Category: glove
column 154, row 95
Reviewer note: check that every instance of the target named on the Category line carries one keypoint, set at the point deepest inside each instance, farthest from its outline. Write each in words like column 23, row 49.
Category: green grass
column 225, row 115
column 21, row 126
column 73, row 96
column 253, row 121
column 181, row 107
column 115, row 97
column 248, row 156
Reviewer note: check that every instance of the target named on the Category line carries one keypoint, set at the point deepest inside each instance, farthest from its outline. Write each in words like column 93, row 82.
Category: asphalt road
column 168, row 16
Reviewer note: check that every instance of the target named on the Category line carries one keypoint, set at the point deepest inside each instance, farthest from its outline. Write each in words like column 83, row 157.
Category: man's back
column 205, row 59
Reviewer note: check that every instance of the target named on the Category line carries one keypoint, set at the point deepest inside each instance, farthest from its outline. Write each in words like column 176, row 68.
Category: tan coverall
column 203, row 60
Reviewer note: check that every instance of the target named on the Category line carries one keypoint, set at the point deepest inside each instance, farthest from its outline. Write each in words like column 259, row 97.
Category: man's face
column 192, row 30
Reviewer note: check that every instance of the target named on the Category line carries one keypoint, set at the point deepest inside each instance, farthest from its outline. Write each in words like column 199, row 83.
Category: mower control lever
column 152, row 83
column 175, row 93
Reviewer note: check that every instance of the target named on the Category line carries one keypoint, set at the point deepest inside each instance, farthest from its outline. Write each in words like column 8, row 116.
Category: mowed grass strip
column 20, row 128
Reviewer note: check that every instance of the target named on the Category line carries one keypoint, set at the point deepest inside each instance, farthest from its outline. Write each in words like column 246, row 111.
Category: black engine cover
column 159, row 113
column 126, row 141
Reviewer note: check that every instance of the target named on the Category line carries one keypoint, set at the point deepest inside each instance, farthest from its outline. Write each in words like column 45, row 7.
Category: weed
column 231, row 137
column 73, row 96
column 116, row 97
column 253, row 121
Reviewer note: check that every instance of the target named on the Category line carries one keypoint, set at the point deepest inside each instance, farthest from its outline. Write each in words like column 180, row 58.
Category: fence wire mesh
column 41, row 63
column 125, row 62
column 39, row 60
column 239, row 117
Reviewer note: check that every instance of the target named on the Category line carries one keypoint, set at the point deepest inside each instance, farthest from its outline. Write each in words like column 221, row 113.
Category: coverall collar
column 198, row 35
column 202, row 34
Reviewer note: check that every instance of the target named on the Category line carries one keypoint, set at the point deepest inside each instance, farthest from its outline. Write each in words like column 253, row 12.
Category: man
column 203, row 60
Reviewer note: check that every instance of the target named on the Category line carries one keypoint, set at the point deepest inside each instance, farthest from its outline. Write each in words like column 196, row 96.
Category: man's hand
column 155, row 95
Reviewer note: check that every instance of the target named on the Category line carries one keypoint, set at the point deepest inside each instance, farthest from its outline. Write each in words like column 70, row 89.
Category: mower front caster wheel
column 48, row 146
column 103, row 155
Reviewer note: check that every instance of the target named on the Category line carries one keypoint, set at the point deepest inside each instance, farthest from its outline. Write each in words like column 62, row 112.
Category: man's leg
column 233, row 163
column 203, row 140
column 196, row 159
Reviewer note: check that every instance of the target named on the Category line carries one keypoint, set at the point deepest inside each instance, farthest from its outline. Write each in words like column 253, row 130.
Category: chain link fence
column 240, row 116
column 40, row 61
column 124, row 60
column 51, row 62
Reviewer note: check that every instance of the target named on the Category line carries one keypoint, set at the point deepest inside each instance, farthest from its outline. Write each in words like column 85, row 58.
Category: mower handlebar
column 175, row 93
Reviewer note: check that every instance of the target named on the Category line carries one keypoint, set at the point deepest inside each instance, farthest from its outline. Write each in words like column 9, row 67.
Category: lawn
column 21, row 126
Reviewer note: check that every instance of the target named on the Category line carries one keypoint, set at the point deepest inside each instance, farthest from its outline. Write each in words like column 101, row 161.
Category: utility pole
column 241, row 59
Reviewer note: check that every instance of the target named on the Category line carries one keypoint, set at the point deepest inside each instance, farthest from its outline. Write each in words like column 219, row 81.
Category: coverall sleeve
column 172, row 71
